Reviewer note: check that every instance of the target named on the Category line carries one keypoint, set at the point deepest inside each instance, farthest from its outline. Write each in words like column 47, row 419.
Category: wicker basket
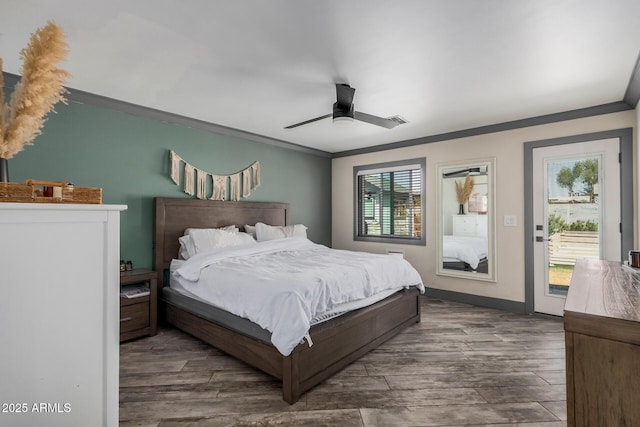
column 33, row 191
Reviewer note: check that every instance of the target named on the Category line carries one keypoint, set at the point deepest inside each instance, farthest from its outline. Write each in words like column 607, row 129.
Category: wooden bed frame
column 336, row 343
column 483, row 266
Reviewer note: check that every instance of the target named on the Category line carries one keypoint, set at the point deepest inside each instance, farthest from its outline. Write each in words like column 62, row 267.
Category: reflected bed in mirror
column 466, row 220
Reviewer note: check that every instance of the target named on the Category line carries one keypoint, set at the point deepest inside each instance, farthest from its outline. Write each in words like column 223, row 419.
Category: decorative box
column 33, row 191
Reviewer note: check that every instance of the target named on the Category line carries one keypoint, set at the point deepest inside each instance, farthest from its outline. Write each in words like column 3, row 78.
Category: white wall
column 507, row 148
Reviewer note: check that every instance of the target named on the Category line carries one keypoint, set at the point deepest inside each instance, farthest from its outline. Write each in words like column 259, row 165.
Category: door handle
column 541, row 239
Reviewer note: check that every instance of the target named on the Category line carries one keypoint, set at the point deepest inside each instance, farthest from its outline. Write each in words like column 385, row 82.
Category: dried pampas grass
column 463, row 191
column 39, row 89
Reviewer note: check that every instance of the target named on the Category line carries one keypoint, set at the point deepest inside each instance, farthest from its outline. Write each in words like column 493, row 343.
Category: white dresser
column 59, row 314
column 470, row 225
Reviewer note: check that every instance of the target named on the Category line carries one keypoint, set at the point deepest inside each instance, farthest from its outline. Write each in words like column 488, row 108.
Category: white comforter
column 465, row 248
column 282, row 284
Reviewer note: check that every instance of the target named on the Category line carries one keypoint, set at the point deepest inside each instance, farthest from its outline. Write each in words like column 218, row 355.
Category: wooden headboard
column 173, row 216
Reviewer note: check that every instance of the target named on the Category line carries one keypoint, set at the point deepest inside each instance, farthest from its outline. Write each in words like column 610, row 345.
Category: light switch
column 510, row 221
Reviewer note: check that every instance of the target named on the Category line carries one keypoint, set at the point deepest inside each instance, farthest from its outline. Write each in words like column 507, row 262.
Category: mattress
column 214, row 314
column 286, row 285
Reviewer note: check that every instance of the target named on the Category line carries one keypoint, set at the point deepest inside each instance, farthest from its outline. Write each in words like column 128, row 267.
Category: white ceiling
column 258, row 66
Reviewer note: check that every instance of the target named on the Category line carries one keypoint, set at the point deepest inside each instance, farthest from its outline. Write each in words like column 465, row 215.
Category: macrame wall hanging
column 240, row 183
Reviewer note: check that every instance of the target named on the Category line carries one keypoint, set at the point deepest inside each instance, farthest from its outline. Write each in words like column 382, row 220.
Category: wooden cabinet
column 59, row 347
column 138, row 315
column 470, row 225
column 602, row 332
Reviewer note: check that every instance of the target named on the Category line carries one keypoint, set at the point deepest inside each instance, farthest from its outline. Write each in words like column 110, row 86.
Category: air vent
column 398, row 119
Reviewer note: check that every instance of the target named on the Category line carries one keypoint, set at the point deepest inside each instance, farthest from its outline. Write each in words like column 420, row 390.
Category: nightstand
column 138, row 314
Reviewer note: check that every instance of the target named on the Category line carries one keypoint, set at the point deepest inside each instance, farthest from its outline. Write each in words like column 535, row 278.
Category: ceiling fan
column 473, row 171
column 343, row 111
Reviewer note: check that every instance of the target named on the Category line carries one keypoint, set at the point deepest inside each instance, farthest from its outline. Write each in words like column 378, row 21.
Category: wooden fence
column 568, row 246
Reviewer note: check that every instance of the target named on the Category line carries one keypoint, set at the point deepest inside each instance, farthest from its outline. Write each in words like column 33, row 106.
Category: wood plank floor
column 462, row 365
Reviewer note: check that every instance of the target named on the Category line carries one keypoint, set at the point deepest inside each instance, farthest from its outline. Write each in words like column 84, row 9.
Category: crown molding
column 82, row 97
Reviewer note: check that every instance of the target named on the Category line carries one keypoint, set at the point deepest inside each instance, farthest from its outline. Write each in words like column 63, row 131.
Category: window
column 389, row 202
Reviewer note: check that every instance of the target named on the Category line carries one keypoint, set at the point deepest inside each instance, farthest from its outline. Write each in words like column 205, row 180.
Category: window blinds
column 389, row 202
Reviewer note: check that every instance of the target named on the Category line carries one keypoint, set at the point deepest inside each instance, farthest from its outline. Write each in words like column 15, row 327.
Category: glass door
column 576, row 214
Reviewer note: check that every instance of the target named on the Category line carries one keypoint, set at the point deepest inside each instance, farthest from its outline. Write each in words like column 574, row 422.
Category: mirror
column 466, row 213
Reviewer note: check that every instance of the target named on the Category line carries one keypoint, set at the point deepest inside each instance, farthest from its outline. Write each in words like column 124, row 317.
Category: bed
column 336, row 342
column 465, row 253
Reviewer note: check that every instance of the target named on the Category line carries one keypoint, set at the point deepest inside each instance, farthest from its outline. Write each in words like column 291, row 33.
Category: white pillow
column 251, row 230
column 205, row 240
column 266, row 232
column 226, row 227
column 187, row 250
column 187, row 244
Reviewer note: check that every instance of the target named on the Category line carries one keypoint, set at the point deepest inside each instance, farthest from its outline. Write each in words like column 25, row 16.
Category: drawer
column 135, row 316
column 133, row 301
column 465, row 225
column 464, row 230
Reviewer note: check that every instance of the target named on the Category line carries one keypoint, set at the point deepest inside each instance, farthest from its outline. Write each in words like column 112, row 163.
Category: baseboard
column 500, row 304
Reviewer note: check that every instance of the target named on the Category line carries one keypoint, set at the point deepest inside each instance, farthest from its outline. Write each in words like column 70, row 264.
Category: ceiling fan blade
column 456, row 174
column 375, row 120
column 344, row 96
column 463, row 172
column 308, row 121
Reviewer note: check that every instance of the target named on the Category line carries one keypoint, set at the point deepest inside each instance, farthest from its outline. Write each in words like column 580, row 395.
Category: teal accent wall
column 128, row 157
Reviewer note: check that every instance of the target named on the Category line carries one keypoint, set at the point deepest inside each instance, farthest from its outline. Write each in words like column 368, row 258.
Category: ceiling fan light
column 342, row 116
column 342, row 120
